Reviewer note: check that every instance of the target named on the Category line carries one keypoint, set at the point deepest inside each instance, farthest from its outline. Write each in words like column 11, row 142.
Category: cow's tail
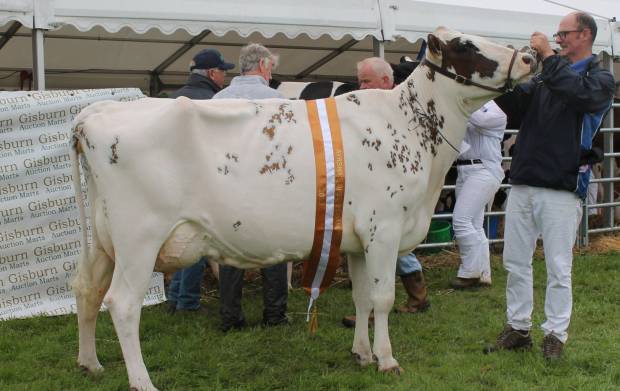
column 75, row 151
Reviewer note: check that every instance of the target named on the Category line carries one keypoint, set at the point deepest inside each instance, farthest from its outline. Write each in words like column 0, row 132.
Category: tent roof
column 268, row 17
column 509, row 22
column 114, row 43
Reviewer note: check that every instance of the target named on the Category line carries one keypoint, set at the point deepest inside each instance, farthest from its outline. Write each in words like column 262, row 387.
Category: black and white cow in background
column 325, row 89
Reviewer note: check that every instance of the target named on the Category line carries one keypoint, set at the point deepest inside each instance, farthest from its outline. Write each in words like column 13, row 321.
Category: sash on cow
column 329, row 161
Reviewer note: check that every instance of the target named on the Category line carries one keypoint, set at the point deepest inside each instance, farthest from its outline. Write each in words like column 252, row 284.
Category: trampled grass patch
column 440, row 349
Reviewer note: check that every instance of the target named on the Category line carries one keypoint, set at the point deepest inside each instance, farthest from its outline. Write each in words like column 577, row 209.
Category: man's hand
column 540, row 43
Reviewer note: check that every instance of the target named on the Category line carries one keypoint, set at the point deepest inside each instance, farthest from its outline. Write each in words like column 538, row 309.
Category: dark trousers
column 275, row 294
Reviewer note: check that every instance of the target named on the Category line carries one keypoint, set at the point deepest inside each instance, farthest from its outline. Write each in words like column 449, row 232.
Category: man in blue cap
column 208, row 70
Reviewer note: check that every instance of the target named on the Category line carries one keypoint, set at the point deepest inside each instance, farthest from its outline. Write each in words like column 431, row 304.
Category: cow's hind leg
column 361, row 344
column 89, row 286
column 381, row 266
column 124, row 299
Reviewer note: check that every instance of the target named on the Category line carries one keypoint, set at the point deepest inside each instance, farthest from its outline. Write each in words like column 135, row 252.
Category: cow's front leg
column 381, row 266
column 359, row 277
column 124, row 299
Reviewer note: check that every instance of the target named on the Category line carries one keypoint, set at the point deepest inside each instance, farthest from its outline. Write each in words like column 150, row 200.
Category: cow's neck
column 443, row 108
column 454, row 102
column 430, row 112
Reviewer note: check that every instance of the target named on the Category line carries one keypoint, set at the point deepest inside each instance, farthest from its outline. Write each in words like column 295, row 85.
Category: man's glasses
column 563, row 34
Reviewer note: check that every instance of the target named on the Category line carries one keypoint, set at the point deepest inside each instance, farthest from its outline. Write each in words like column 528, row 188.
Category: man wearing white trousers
column 560, row 111
column 480, row 174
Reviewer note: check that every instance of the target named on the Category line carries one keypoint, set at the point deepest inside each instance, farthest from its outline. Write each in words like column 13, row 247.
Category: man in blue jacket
column 207, row 72
column 559, row 112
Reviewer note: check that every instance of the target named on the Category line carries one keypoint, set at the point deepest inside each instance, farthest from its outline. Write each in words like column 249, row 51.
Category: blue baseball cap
column 210, row 58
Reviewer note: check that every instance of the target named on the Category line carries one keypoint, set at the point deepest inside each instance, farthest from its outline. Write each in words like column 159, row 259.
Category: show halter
column 507, row 87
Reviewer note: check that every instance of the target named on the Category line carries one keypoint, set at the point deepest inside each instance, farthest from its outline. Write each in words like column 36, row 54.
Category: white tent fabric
column 268, row 17
column 134, row 43
column 16, row 10
column 98, row 44
column 509, row 22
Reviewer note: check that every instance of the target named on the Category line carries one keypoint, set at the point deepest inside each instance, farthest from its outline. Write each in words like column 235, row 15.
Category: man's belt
column 467, row 162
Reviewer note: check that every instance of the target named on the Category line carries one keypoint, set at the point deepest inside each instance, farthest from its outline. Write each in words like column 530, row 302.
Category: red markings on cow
column 282, row 116
column 270, row 131
column 114, row 148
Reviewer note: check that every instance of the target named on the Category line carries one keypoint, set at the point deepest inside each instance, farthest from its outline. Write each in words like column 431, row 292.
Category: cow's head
column 478, row 60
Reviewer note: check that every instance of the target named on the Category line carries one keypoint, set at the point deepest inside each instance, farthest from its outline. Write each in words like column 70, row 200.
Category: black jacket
column 549, row 111
column 197, row 87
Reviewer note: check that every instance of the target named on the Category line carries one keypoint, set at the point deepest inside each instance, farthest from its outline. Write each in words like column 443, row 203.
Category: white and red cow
column 251, row 171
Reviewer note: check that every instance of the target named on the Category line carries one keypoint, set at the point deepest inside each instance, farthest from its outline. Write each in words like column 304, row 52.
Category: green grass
column 439, row 350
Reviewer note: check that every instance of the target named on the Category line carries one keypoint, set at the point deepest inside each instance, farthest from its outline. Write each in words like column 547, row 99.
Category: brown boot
column 416, row 290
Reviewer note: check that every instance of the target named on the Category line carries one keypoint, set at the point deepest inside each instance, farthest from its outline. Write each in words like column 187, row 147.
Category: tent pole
column 378, row 48
column 38, row 58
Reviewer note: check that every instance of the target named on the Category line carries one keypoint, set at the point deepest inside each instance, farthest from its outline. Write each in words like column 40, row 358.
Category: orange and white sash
column 329, row 162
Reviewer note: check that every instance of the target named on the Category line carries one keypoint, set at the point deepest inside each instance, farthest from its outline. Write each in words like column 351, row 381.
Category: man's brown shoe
column 465, row 283
column 510, row 339
column 349, row 320
column 552, row 347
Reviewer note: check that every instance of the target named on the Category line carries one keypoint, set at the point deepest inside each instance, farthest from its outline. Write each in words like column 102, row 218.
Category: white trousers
column 475, row 187
column 555, row 214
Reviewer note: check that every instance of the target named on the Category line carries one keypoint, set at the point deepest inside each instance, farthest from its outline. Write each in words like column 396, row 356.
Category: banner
column 40, row 237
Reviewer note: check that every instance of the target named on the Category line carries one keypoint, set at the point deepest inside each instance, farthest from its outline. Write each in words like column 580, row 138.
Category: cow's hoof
column 361, row 360
column 397, row 370
column 90, row 373
column 91, row 369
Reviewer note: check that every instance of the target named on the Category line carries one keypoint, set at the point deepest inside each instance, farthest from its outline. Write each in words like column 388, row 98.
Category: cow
column 254, row 164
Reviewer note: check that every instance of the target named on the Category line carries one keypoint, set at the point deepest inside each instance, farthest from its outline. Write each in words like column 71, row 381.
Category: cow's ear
column 434, row 45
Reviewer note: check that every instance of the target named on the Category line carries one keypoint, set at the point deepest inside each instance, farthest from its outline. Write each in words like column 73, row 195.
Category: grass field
column 439, row 350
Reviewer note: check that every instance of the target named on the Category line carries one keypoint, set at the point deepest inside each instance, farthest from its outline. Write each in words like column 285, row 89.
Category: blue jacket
column 197, row 87
column 559, row 112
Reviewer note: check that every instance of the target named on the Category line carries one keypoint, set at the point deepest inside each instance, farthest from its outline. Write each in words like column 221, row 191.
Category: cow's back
column 244, row 170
